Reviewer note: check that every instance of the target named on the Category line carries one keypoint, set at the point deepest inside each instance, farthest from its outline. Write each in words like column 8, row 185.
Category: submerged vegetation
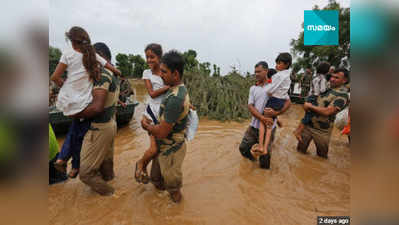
column 219, row 97
column 214, row 96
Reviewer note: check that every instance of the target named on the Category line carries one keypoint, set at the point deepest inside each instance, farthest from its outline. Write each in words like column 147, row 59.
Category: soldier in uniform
column 328, row 104
column 166, row 171
column 97, row 155
column 294, row 79
column 125, row 89
column 306, row 82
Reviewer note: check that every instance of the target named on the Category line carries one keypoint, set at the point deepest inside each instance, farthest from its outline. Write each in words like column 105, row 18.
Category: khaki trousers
column 320, row 138
column 166, row 170
column 97, row 157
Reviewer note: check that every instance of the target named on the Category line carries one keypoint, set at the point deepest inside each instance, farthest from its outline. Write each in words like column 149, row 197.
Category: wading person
column 83, row 66
column 156, row 93
column 277, row 93
column 319, row 85
column 256, row 104
column 125, row 90
column 306, row 82
column 328, row 104
column 169, row 133
column 96, row 158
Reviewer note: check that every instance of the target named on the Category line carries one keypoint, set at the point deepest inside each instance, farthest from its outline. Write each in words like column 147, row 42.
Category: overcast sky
column 222, row 32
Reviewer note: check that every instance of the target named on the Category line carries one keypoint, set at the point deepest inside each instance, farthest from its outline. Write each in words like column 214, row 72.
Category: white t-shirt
column 157, row 83
column 258, row 98
column 281, row 82
column 75, row 93
column 319, row 84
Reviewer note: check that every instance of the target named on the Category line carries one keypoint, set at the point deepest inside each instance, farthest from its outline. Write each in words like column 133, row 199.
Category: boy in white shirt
column 319, row 82
column 278, row 95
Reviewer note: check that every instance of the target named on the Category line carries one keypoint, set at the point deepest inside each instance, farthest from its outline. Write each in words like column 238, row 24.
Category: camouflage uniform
column 166, row 167
column 305, row 84
column 320, row 127
column 125, row 90
column 294, row 79
column 96, row 163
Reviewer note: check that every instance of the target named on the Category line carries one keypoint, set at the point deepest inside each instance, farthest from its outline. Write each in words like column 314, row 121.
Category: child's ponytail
column 81, row 39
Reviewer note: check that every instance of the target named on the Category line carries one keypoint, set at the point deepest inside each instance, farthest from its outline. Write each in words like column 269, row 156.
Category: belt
column 174, row 148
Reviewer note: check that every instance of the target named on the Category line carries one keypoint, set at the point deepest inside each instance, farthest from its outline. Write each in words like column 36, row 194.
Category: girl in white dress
column 82, row 64
column 156, row 91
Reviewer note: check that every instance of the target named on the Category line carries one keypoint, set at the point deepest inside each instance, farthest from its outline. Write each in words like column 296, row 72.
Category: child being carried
column 278, row 95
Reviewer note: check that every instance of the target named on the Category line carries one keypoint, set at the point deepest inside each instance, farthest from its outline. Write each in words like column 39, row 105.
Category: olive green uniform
column 125, row 90
column 305, row 84
column 96, row 157
column 166, row 167
column 320, row 127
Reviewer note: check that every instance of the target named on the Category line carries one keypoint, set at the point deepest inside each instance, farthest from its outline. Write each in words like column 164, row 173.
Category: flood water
column 219, row 185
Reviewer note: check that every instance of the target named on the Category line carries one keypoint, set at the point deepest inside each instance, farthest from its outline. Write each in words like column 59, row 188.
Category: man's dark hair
column 323, row 68
column 102, row 49
column 284, row 57
column 271, row 72
column 155, row 48
column 174, row 61
column 345, row 72
column 263, row 64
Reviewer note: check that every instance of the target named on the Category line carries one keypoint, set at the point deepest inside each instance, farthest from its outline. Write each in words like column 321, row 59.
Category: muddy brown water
column 219, row 186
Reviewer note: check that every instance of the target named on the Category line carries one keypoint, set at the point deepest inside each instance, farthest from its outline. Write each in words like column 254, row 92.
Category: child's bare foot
column 264, row 151
column 254, row 155
column 254, row 150
column 298, row 135
column 258, row 149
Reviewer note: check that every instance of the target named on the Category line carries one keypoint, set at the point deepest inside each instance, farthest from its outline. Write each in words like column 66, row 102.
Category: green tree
column 54, row 58
column 216, row 71
column 123, row 64
column 138, row 65
column 336, row 55
column 205, row 67
column 190, row 59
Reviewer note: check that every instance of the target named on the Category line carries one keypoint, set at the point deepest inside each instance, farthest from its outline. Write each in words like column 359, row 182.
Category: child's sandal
column 145, row 179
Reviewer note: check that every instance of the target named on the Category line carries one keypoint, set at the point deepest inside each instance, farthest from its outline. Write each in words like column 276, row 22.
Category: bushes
column 220, row 98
